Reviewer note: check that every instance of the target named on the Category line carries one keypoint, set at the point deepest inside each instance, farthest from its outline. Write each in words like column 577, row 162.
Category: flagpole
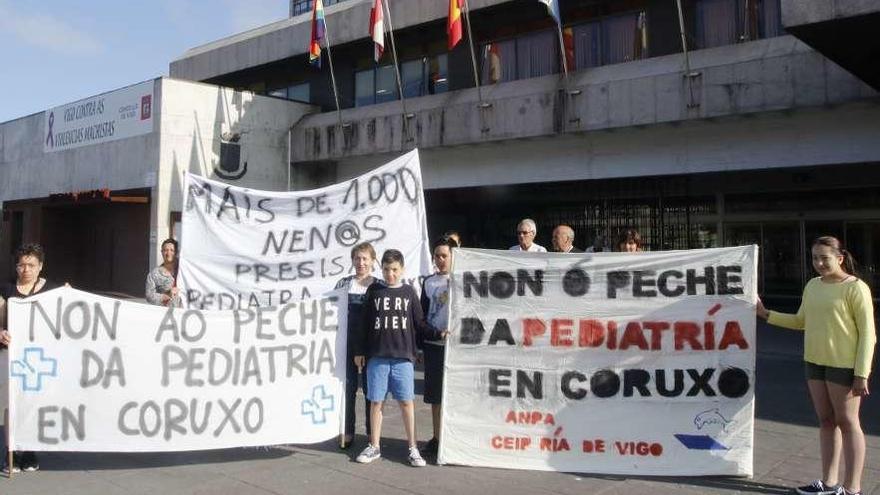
column 396, row 66
column 332, row 74
column 562, row 50
column 689, row 75
column 467, row 20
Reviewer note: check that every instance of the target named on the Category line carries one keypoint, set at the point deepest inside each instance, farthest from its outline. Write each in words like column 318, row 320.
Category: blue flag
column 553, row 10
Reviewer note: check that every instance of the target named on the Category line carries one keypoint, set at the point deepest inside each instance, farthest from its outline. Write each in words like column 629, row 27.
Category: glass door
column 743, row 234
column 863, row 241
column 783, row 258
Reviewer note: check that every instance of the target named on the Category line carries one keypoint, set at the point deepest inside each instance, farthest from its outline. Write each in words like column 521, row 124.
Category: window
column 411, row 74
column 298, row 7
column 725, row 22
column 424, row 76
column 364, row 88
column 619, row 35
column 299, row 92
column 278, row 93
column 611, row 40
column 587, row 45
column 531, row 55
column 438, row 74
column 537, row 55
column 386, row 84
column 499, row 62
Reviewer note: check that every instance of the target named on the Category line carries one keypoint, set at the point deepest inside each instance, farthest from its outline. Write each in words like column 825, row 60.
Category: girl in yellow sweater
column 837, row 316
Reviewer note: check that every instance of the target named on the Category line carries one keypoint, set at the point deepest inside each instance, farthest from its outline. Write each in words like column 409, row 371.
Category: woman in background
column 28, row 265
column 161, row 288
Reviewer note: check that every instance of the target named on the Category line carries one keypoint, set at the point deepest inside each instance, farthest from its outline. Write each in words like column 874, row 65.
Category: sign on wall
column 608, row 363
column 119, row 114
column 91, row 373
column 243, row 248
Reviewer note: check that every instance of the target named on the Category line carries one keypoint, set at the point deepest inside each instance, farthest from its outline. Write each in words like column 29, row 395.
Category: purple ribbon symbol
column 50, row 141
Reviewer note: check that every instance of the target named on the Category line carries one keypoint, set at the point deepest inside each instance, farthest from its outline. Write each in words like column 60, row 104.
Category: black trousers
column 353, row 380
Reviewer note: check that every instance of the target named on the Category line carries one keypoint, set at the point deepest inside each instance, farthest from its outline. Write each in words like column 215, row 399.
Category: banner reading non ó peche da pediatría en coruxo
column 638, row 364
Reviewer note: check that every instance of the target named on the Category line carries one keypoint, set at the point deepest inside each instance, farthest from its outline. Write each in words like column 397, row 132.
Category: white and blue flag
column 553, row 10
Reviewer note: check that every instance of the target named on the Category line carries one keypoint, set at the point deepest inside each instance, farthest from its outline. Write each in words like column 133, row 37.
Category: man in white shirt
column 525, row 233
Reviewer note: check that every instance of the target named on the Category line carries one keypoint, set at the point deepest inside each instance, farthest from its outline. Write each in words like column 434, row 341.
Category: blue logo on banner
column 32, row 368
column 699, row 442
column 319, row 405
column 711, row 417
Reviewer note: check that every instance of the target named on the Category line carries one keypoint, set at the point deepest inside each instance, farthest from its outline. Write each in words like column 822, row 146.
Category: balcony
column 766, row 75
column 844, row 31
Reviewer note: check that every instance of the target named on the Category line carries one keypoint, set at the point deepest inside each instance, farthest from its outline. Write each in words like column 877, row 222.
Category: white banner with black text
column 618, row 363
column 243, row 248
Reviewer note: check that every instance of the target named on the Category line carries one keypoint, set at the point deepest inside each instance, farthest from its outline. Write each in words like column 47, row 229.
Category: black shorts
column 434, row 355
column 840, row 376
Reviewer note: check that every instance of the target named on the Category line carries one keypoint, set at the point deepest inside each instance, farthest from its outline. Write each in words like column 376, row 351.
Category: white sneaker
column 369, row 454
column 415, row 458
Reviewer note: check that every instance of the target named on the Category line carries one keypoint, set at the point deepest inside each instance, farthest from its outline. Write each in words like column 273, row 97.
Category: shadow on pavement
column 780, row 387
column 100, row 461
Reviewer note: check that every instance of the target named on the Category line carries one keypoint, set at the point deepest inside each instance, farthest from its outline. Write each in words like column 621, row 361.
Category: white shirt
column 534, row 248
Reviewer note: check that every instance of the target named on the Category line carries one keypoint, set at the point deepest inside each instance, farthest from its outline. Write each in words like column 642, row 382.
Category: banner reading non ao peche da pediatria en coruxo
column 247, row 248
column 91, row 373
column 618, row 363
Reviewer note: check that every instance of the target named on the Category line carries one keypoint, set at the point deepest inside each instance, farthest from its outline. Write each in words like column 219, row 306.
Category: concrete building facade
column 760, row 132
column 760, row 129
column 102, row 210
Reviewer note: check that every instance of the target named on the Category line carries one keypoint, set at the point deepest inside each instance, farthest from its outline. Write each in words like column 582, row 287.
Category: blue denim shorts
column 390, row 375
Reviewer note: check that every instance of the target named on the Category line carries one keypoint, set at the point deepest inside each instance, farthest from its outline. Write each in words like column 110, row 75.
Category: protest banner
column 91, row 373
column 618, row 363
column 243, row 248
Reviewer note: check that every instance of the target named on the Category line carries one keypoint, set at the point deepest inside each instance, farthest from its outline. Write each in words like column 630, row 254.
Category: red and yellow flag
column 453, row 25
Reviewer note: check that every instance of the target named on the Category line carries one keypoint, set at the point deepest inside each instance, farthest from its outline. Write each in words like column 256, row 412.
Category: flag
column 319, row 27
column 493, row 57
column 640, row 48
column 377, row 29
column 568, row 43
column 453, row 25
column 553, row 10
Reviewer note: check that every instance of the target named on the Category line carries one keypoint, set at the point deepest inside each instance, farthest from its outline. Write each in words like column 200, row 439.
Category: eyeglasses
column 525, row 232
column 22, row 266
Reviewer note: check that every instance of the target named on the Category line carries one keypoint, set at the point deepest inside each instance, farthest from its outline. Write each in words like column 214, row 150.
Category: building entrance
column 98, row 247
column 96, row 240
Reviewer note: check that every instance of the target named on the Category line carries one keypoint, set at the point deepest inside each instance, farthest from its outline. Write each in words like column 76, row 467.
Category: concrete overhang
column 775, row 74
column 843, row 30
column 346, row 22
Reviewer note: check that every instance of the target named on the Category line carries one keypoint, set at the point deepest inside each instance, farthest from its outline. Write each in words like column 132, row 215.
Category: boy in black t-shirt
column 392, row 322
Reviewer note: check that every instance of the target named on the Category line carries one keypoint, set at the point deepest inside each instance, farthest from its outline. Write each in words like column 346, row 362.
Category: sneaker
column 16, row 463
column 415, row 458
column 432, row 446
column 818, row 487
column 368, row 455
column 28, row 462
column 15, row 468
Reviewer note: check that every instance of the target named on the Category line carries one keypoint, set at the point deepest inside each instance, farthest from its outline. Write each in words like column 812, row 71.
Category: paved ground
column 786, row 453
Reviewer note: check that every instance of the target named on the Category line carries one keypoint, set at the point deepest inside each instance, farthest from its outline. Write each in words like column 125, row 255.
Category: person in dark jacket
column 28, row 266
column 392, row 324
